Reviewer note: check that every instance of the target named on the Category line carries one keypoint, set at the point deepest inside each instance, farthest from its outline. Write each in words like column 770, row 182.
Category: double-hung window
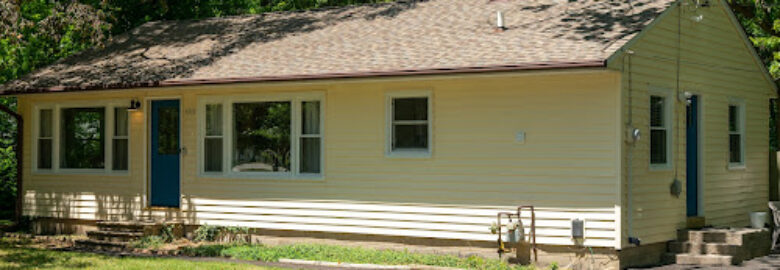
column 736, row 134
column 660, row 130
column 45, row 139
column 84, row 138
column 274, row 136
column 409, row 124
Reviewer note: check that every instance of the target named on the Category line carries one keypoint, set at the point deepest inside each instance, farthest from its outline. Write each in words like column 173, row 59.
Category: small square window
column 409, row 124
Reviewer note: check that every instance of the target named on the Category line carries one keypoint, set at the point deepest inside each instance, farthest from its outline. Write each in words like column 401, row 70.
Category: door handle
column 183, row 150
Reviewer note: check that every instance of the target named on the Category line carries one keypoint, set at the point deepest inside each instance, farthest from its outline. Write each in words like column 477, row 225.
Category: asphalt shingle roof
column 402, row 36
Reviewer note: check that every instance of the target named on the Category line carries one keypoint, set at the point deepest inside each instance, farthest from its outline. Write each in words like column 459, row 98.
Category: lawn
column 329, row 253
column 14, row 255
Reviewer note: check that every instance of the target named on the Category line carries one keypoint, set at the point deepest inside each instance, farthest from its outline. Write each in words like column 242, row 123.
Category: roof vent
column 500, row 26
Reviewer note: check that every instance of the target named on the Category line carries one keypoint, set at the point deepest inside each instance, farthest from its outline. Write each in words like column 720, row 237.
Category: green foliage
column 211, row 233
column 149, row 242
column 7, row 182
column 206, row 233
column 761, row 20
column 166, row 233
column 155, row 241
column 345, row 254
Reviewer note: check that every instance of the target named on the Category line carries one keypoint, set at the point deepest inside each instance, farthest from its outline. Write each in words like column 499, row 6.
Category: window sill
column 413, row 154
column 736, row 167
column 660, row 167
column 70, row 172
column 266, row 177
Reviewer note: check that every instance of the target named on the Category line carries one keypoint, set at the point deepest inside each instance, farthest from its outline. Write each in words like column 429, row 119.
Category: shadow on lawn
column 23, row 258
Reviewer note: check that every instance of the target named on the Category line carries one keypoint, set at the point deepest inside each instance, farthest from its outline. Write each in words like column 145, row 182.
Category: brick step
column 97, row 245
column 704, row 248
column 713, row 260
column 114, row 236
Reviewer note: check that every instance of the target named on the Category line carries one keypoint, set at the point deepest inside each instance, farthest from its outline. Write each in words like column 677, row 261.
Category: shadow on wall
column 71, row 205
column 158, row 51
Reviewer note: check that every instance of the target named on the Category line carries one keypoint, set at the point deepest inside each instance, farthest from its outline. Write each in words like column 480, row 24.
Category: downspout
column 19, row 153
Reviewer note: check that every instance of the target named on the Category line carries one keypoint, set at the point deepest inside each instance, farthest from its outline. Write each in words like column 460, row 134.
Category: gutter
column 284, row 78
column 19, row 153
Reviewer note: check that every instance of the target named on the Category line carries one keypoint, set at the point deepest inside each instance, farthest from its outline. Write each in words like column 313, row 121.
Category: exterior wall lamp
column 135, row 105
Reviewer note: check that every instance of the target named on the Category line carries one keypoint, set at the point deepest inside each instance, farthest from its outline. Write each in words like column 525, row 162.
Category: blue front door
column 165, row 190
column 692, row 157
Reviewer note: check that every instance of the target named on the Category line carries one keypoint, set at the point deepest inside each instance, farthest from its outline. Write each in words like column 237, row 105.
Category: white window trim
column 741, row 117
column 227, row 135
column 56, row 108
column 407, row 153
column 669, row 125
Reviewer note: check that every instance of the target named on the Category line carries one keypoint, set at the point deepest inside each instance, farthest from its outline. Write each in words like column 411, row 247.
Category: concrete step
column 114, row 236
column 97, row 245
column 704, row 248
column 722, row 236
column 128, row 226
column 715, row 260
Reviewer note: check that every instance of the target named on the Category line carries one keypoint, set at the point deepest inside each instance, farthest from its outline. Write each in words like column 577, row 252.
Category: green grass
column 16, row 256
column 345, row 254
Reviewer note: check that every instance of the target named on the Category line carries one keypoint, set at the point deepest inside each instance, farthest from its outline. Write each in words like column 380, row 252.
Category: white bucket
column 758, row 220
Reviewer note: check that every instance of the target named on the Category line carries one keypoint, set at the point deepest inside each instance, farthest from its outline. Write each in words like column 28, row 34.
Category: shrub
column 148, row 242
column 211, row 233
column 206, row 233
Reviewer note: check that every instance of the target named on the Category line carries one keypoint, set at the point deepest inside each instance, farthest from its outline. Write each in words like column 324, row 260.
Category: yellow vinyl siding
column 716, row 65
column 567, row 166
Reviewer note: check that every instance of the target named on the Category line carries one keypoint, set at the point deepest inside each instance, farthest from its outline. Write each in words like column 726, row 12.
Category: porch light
column 135, row 105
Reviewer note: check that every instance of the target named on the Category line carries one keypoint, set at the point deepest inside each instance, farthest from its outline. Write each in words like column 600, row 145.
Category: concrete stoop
column 719, row 247
column 116, row 236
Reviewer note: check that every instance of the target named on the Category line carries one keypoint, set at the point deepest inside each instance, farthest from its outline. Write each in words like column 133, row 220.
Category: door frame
column 701, row 153
column 147, row 111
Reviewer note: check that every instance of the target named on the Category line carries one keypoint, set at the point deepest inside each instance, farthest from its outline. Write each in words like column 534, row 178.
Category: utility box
column 578, row 229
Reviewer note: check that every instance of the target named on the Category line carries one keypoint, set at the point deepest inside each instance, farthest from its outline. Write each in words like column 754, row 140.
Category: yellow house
column 413, row 119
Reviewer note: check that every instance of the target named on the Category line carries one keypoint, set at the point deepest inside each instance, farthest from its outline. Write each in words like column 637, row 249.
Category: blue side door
column 165, row 184
column 692, row 157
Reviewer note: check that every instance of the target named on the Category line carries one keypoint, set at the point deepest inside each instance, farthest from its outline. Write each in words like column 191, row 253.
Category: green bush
column 211, row 233
column 206, row 233
column 148, row 242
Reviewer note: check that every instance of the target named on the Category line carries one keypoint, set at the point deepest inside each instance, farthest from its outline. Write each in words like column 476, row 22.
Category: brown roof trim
column 369, row 74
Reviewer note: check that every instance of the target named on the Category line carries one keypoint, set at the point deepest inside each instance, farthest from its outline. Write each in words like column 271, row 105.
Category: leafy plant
column 206, row 233
column 211, row 233
column 166, row 233
column 149, row 242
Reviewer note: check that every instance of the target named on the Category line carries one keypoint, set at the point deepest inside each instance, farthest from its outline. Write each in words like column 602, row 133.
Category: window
column 120, row 141
column 311, row 137
column 659, row 131
column 213, row 139
column 278, row 136
column 82, row 137
column 736, row 134
column 409, row 125
column 45, row 139
column 261, row 137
